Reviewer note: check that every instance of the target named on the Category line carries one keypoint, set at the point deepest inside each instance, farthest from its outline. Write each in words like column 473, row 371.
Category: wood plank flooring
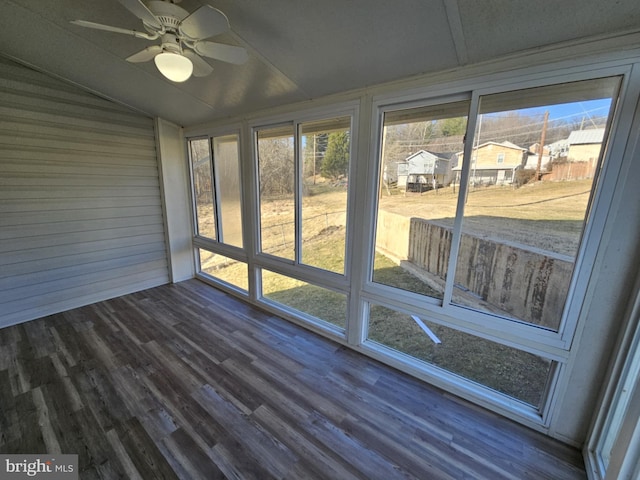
column 183, row 381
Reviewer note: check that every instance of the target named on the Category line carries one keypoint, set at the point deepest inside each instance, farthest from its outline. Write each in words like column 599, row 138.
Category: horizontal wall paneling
column 81, row 216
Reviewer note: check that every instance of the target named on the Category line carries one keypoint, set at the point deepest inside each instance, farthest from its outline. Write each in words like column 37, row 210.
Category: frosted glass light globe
column 174, row 66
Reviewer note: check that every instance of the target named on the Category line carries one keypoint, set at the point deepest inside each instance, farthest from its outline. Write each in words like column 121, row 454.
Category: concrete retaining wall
column 392, row 236
column 527, row 284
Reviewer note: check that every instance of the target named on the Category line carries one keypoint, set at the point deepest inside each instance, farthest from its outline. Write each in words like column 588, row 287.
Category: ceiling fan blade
column 205, row 22
column 99, row 26
column 219, row 51
column 145, row 55
column 141, row 11
column 109, row 28
column 200, row 67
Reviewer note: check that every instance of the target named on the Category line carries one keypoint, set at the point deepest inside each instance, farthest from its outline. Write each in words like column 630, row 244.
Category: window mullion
column 298, row 172
column 214, row 194
column 462, row 195
column 194, row 201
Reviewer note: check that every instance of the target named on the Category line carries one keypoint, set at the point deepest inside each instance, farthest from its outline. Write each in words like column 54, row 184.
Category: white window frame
column 555, row 346
column 295, row 268
column 619, row 407
column 194, row 211
column 214, row 245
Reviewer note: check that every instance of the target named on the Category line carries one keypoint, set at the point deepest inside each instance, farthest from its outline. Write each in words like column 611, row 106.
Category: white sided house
column 423, row 170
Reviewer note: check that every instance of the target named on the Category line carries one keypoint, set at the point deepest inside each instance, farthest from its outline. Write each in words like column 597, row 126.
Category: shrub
column 524, row 176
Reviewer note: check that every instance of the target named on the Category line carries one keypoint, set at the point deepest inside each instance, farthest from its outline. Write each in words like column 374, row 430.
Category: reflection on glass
column 276, row 167
column 518, row 374
column 527, row 205
column 325, row 167
column 227, row 171
column 224, row 268
column 318, row 302
column 200, row 158
column 418, row 194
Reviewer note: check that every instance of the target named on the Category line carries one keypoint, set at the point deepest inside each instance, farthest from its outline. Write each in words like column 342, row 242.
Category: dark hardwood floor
column 183, row 381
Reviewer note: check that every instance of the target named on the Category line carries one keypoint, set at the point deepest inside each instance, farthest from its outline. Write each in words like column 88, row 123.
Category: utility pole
column 541, row 148
column 314, row 158
column 474, row 155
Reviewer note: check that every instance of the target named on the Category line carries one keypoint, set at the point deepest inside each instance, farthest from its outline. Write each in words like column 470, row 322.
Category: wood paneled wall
column 80, row 205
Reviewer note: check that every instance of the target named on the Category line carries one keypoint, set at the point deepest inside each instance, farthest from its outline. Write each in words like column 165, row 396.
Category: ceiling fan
column 182, row 35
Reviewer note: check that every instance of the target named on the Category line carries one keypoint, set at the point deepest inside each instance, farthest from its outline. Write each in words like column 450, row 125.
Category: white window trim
column 192, row 198
column 486, row 323
column 213, row 245
column 612, row 418
column 295, row 268
column 547, row 343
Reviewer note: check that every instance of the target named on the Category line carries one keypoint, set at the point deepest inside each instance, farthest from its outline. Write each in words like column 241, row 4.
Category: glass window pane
column 224, row 268
column 519, row 374
column 318, row 302
column 526, row 205
column 227, row 172
column 200, row 157
column 325, row 167
column 276, row 167
column 418, row 196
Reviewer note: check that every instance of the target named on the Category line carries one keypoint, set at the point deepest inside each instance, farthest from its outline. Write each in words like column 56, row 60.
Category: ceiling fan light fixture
column 174, row 66
column 182, row 37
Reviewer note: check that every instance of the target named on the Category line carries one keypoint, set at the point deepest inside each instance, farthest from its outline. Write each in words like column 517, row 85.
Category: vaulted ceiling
column 298, row 50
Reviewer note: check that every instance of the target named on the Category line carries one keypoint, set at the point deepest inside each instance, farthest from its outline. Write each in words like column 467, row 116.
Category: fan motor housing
column 168, row 14
column 171, row 43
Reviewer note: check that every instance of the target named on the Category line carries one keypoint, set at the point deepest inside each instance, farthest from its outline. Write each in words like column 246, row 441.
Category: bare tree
column 276, row 165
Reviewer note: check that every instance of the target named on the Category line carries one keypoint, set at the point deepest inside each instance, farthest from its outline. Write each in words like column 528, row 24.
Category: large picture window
column 303, row 184
column 523, row 219
column 303, row 175
column 202, row 187
column 227, row 174
column 215, row 172
column 519, row 374
column 277, row 184
column 316, row 302
column 325, row 148
column 485, row 227
column 418, row 196
column 216, row 190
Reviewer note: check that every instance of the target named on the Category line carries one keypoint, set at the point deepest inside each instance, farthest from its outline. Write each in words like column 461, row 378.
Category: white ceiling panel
column 497, row 27
column 297, row 50
column 335, row 45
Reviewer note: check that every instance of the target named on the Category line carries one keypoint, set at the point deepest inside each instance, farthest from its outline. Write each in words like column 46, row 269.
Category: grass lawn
column 507, row 370
column 546, row 215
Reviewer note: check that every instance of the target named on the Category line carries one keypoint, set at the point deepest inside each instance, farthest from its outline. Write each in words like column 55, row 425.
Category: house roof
column 297, row 50
column 559, row 143
column 503, row 144
column 441, row 156
column 581, row 137
column 507, row 143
